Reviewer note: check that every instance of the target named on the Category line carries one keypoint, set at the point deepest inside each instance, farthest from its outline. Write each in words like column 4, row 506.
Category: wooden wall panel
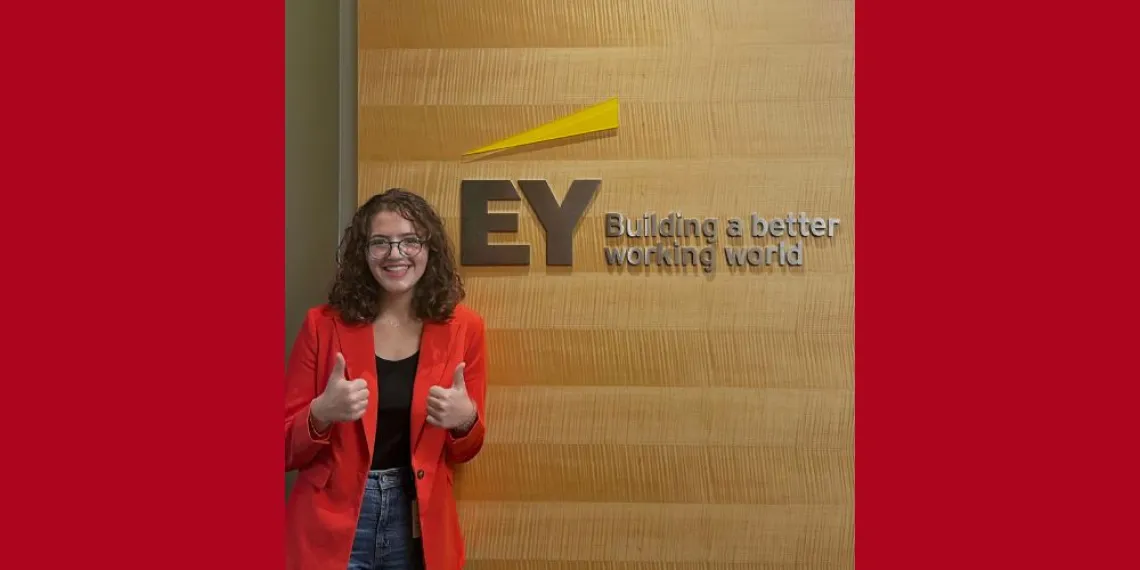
column 640, row 418
column 671, row 357
column 603, row 23
column 641, row 75
column 774, row 128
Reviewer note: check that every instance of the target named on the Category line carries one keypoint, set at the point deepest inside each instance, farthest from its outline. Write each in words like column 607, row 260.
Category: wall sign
column 558, row 220
column 674, row 240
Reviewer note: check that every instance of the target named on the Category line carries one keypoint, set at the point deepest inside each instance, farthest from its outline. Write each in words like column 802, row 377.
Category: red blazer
column 322, row 510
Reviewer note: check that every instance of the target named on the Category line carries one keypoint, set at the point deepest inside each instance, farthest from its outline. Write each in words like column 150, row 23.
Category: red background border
column 144, row 235
column 995, row 333
column 145, row 222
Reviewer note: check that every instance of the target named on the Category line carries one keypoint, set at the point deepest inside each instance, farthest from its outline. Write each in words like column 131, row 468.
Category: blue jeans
column 384, row 531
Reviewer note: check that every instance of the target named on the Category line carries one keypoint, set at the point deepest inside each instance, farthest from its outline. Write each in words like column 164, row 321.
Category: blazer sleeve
column 302, row 444
column 464, row 449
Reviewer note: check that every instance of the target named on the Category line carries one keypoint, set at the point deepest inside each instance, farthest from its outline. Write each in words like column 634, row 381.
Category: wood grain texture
column 583, row 76
column 622, row 415
column 593, row 565
column 642, row 418
column 395, row 24
column 777, row 303
column 728, row 187
column 671, row 357
column 698, row 474
column 784, row 128
column 657, row 532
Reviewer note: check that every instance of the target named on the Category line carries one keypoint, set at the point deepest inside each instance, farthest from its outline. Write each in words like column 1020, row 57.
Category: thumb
column 457, row 382
column 338, row 368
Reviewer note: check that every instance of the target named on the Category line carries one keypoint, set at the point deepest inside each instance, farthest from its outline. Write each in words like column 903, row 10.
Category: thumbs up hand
column 451, row 408
column 343, row 400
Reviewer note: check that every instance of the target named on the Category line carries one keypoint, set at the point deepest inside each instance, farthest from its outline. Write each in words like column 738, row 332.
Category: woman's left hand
column 451, row 408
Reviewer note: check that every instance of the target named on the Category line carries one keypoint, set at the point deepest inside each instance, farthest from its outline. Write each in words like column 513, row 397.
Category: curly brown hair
column 356, row 294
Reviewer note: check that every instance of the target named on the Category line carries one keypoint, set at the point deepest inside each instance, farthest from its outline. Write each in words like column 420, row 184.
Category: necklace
column 394, row 323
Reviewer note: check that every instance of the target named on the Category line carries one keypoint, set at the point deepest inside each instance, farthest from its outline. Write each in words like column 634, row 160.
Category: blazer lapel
column 435, row 348
column 355, row 342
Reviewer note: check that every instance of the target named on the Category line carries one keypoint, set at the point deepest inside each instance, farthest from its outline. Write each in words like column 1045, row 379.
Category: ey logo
column 557, row 220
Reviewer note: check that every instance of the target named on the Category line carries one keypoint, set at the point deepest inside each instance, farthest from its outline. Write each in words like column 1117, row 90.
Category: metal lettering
column 559, row 221
column 477, row 223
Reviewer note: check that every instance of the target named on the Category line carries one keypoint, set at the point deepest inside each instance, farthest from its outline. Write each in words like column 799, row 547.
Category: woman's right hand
column 343, row 400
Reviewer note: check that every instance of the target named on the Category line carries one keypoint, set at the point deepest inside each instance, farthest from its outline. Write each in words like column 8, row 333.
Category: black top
column 394, row 417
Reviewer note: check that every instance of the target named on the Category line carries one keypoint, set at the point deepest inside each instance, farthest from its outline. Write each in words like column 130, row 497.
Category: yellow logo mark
column 600, row 117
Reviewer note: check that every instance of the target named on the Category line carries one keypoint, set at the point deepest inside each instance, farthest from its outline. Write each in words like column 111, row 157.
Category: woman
column 384, row 395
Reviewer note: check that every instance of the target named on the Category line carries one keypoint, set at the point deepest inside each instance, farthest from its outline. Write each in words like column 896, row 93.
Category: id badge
column 415, row 518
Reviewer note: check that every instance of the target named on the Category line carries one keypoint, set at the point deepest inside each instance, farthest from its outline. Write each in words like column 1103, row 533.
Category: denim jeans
column 384, row 531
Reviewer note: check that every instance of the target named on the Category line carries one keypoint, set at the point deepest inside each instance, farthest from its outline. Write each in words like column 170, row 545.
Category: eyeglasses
column 381, row 248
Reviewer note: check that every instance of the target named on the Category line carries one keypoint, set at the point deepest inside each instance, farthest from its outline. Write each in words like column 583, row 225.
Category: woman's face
column 397, row 255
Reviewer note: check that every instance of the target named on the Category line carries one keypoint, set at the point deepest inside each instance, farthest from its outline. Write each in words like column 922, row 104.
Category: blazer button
column 420, row 474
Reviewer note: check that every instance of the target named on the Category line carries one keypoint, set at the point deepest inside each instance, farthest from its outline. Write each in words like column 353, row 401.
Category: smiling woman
column 396, row 229
column 384, row 396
